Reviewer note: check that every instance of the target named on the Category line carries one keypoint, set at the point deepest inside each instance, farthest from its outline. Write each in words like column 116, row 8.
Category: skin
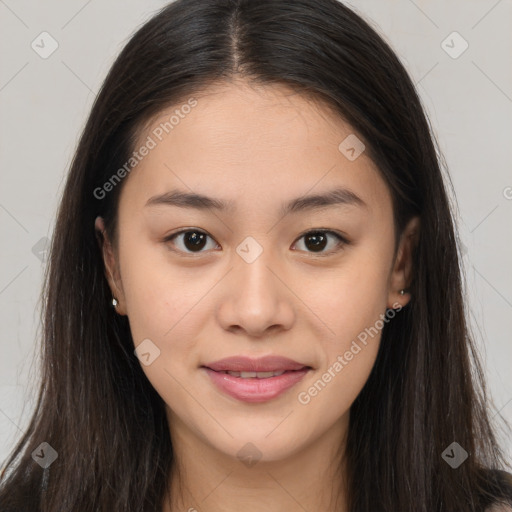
column 258, row 147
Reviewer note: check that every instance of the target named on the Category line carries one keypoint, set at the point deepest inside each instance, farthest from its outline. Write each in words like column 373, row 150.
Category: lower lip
column 254, row 389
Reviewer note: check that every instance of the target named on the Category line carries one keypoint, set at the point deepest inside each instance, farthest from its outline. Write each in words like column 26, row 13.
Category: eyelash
column 342, row 241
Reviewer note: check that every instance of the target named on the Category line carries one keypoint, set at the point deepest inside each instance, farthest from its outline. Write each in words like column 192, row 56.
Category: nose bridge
column 256, row 299
column 252, row 269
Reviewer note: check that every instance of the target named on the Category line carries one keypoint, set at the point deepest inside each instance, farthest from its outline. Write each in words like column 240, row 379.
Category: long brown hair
column 95, row 406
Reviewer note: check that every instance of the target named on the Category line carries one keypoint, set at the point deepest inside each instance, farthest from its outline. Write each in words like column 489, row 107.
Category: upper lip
column 260, row 364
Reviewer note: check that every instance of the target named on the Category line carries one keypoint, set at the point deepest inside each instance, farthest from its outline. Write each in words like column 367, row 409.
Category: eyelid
column 170, row 237
column 342, row 241
column 341, row 238
column 338, row 234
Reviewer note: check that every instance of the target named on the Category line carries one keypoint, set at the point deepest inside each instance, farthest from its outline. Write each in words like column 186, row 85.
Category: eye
column 316, row 241
column 192, row 240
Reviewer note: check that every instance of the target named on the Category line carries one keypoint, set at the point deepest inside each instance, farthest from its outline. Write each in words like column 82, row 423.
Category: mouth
column 261, row 366
column 257, row 375
column 249, row 382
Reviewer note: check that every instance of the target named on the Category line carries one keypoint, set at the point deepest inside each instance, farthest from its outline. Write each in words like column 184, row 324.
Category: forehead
column 238, row 113
column 253, row 142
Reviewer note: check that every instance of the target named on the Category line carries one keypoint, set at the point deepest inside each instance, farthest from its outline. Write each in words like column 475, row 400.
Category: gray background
column 44, row 103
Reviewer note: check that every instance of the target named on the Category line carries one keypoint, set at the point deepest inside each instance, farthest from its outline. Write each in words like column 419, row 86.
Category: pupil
column 318, row 241
column 194, row 240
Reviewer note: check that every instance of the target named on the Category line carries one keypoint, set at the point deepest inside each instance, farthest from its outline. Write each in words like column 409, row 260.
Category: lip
column 254, row 389
column 261, row 364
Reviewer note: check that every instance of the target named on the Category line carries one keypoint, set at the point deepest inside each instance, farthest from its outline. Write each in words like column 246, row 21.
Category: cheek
column 329, row 396
column 351, row 296
column 164, row 306
column 348, row 355
column 159, row 296
column 171, row 306
column 352, row 303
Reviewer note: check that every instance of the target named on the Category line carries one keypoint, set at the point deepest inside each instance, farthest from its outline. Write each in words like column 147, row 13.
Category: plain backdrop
column 44, row 102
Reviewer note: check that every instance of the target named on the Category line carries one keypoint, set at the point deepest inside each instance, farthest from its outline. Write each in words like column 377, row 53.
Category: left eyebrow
column 336, row 197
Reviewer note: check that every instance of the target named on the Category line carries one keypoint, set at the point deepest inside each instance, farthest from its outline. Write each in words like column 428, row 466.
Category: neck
column 205, row 478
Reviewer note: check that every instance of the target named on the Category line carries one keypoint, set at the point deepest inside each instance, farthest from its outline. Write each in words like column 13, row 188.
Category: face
column 255, row 278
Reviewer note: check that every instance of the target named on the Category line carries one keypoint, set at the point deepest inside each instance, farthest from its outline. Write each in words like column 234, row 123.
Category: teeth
column 258, row 375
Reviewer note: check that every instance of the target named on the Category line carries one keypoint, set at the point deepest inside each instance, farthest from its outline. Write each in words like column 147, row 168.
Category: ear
column 111, row 266
column 401, row 274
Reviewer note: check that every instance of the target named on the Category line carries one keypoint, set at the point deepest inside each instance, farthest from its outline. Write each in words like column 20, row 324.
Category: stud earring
column 402, row 292
column 114, row 302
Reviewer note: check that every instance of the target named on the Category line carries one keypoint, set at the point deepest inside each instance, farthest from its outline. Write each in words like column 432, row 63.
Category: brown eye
column 190, row 240
column 317, row 241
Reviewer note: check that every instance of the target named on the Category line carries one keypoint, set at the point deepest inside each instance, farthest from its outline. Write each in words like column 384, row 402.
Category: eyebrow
column 182, row 199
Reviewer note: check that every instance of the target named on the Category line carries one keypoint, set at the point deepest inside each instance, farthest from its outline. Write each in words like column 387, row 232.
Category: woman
column 254, row 297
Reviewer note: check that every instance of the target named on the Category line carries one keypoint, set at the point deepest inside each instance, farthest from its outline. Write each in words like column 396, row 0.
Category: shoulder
column 498, row 507
column 505, row 483
column 505, row 479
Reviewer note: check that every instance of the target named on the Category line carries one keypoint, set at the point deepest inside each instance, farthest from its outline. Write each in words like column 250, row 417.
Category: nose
column 256, row 298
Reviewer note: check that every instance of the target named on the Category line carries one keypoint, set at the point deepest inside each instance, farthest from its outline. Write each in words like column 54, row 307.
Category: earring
column 402, row 292
column 114, row 302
